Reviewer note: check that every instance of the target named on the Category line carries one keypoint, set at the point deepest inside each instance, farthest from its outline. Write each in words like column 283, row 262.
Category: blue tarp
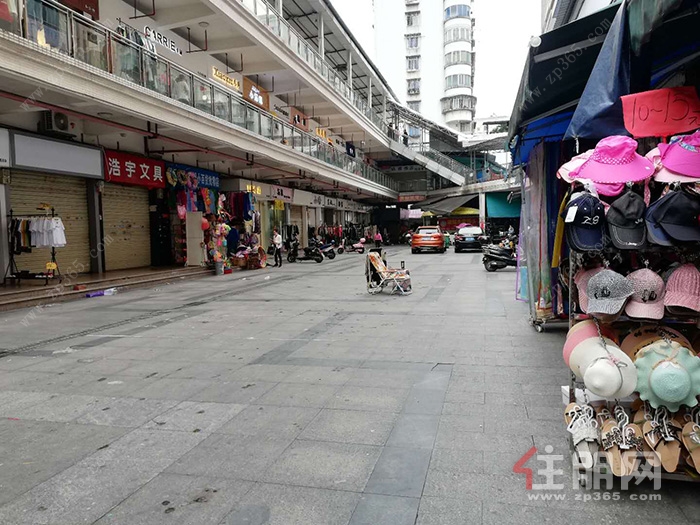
column 547, row 129
column 498, row 207
column 599, row 111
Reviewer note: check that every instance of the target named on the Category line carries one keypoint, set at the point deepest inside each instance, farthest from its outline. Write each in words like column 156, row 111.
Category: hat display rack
column 632, row 226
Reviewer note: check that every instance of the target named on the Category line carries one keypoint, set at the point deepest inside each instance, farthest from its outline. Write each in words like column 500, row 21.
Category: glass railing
column 55, row 27
column 271, row 19
column 442, row 159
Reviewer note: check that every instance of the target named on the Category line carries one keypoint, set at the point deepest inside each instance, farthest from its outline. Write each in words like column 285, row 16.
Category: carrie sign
column 125, row 168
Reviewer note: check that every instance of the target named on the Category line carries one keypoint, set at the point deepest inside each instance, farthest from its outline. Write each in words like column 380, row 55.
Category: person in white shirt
column 277, row 241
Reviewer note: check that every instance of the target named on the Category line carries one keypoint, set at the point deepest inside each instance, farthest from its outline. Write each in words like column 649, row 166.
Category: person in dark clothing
column 405, row 137
column 232, row 240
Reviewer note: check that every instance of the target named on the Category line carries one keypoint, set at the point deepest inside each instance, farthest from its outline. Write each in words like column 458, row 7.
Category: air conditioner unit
column 56, row 123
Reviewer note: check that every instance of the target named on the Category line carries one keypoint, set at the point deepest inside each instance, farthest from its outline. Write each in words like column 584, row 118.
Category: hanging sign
column 134, row 170
column 412, row 198
column 298, row 119
column 89, row 7
column 190, row 177
column 255, row 94
column 662, row 112
column 279, row 205
column 280, row 193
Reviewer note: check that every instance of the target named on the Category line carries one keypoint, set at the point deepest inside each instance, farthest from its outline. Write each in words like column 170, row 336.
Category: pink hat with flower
column 615, row 161
column 663, row 174
column 683, row 288
column 682, row 155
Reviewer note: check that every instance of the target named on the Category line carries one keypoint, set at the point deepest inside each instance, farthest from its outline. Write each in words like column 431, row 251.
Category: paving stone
column 124, row 412
column 424, row 401
column 13, row 403
column 240, row 392
column 387, row 510
column 180, row 388
column 444, row 511
column 58, row 407
column 368, row 398
column 298, row 395
column 185, row 500
column 268, row 373
column 270, row 422
column 400, row 472
column 282, row 505
column 320, row 375
column 350, row 426
column 338, row 466
column 194, row 416
column 414, row 431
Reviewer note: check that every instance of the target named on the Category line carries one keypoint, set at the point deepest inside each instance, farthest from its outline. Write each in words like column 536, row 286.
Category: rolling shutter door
column 126, row 227
column 68, row 196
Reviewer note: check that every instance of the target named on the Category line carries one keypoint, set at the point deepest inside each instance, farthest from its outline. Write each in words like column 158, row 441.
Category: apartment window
column 458, row 81
column 458, row 57
column 457, row 11
column 414, row 105
column 465, row 127
column 412, row 19
column 458, row 102
column 414, row 86
column 413, row 63
column 412, row 41
column 413, row 131
column 458, row 34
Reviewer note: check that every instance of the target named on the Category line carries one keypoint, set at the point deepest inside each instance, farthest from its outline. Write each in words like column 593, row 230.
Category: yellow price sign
column 51, row 266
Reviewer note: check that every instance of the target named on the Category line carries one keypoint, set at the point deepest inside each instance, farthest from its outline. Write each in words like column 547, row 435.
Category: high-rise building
column 437, row 41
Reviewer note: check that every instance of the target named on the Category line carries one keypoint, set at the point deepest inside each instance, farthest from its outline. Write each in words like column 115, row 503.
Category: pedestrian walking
column 378, row 239
column 277, row 240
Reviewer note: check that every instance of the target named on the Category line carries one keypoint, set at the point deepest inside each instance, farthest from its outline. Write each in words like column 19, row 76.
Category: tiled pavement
column 293, row 397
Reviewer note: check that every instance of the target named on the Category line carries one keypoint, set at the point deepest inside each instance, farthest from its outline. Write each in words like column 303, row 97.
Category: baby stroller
column 379, row 276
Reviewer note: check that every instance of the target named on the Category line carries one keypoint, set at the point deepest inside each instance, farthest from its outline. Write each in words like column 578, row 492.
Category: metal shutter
column 68, row 195
column 126, row 227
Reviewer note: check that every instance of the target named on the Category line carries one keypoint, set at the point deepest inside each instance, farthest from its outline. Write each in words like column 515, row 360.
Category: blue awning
column 547, row 129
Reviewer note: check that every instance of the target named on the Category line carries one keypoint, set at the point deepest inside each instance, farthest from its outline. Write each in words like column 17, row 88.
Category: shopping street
column 294, row 397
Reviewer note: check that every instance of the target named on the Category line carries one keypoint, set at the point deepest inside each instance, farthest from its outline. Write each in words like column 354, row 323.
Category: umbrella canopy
column 463, row 212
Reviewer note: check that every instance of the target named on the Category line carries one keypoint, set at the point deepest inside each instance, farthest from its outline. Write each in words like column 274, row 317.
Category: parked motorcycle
column 311, row 253
column 358, row 247
column 328, row 250
column 499, row 256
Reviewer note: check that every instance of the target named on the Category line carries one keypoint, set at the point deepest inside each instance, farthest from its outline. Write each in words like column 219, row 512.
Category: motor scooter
column 358, row 247
column 311, row 252
column 328, row 250
column 499, row 256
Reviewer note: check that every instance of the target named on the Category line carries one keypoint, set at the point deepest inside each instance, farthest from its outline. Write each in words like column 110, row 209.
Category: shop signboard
column 255, row 94
column 89, row 7
column 330, row 202
column 341, row 204
column 298, row 119
column 134, row 170
column 159, row 38
column 280, row 193
column 180, row 175
column 412, row 197
column 306, row 198
column 662, row 112
column 4, row 148
column 222, row 77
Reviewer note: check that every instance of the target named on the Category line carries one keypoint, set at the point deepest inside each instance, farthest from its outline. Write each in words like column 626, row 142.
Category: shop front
column 329, row 211
column 126, row 216
column 308, row 204
column 49, row 209
column 192, row 195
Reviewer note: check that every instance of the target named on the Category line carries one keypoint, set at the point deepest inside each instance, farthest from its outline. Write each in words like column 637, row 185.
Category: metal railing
column 270, row 18
column 53, row 26
column 424, row 149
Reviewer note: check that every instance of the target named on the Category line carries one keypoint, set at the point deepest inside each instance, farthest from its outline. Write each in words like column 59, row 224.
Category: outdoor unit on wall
column 57, row 124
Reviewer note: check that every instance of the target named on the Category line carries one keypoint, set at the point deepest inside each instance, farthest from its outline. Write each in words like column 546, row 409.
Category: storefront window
column 126, row 60
column 46, row 25
column 222, row 105
column 91, row 44
column 9, row 16
column 181, row 85
column 155, row 73
column 202, row 96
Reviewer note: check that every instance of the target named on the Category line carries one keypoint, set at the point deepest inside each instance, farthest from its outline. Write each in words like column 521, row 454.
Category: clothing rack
column 13, row 272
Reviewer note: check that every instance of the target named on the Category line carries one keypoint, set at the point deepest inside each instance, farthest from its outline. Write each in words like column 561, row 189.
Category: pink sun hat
column 568, row 173
column 682, row 155
column 663, row 174
column 582, row 331
column 615, row 161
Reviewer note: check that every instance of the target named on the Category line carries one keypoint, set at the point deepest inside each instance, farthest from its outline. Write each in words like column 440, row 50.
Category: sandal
column 584, row 433
column 611, row 439
column 691, row 438
column 631, row 445
column 662, row 435
column 644, row 414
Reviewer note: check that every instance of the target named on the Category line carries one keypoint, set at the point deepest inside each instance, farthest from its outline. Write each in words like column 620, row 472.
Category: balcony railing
column 53, row 26
column 424, row 149
column 279, row 27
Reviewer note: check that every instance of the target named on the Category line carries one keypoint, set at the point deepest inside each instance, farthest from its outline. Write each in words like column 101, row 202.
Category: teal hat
column 668, row 375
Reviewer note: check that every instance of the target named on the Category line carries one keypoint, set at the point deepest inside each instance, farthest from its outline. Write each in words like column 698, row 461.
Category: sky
column 503, row 32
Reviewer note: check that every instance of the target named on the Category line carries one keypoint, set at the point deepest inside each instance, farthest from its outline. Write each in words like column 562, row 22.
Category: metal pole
column 321, row 37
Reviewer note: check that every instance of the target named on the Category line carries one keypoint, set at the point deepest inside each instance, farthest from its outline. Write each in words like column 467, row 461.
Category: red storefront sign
column 89, row 7
column 126, row 168
column 662, row 112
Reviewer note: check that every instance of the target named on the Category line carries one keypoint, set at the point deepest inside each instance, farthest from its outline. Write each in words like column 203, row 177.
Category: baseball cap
column 647, row 301
column 679, row 216
column 584, row 218
column 608, row 292
column 655, row 233
column 626, row 222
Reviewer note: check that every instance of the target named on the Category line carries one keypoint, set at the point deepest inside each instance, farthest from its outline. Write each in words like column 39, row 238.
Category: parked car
column 467, row 238
column 428, row 238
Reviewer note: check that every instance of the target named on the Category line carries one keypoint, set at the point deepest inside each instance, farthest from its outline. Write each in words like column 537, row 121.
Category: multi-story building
column 126, row 116
column 437, row 79
column 556, row 13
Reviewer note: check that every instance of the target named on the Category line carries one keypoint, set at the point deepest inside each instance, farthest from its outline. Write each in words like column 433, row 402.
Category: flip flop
column 641, row 417
column 584, row 433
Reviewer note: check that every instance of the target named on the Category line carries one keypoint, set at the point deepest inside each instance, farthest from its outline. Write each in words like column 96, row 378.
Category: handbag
column 271, row 249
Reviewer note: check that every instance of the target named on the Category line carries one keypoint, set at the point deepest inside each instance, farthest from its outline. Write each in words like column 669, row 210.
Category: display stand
column 13, row 272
